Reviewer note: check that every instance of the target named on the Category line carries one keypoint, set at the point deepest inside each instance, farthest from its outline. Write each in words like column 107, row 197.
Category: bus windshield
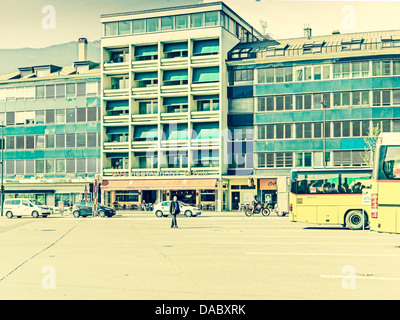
column 391, row 163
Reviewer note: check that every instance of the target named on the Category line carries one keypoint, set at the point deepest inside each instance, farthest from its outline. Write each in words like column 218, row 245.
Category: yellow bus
column 385, row 194
column 330, row 196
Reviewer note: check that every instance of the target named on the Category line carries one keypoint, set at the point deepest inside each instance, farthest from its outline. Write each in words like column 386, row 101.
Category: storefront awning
column 161, row 184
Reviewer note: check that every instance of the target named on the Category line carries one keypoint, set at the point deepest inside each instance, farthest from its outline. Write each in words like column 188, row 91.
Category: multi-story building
column 164, row 105
column 196, row 103
column 51, row 130
column 284, row 92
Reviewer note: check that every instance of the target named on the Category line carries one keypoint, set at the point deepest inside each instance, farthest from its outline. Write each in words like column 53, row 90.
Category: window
column 70, row 89
column 81, row 89
column 124, row 27
column 91, row 114
column 196, row 20
column 182, row 21
column 70, row 115
column 60, row 116
column 91, row 140
column 49, row 116
column 111, row 29
column 244, row 75
column 39, row 141
column 50, row 91
column 391, row 163
column 81, row 140
column 80, row 114
column 70, row 140
column 49, row 141
column 167, row 23
column 39, row 166
column 39, row 92
column 211, row 18
column 60, row 140
column 152, row 25
column 139, row 26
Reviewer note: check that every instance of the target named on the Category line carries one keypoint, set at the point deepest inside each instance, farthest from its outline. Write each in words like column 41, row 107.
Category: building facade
column 289, row 90
column 196, row 103
column 51, row 130
column 164, row 123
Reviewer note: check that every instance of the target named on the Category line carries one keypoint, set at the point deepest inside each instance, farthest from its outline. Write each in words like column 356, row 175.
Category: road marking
column 301, row 243
column 323, row 254
column 359, row 277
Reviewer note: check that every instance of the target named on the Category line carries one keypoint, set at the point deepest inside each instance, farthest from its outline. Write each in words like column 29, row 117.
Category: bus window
column 327, row 183
column 353, row 183
column 391, row 163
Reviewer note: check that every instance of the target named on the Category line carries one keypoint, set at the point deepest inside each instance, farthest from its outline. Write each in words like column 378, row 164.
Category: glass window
column 211, row 18
column 81, row 140
column 70, row 115
column 153, row 25
column 91, row 114
column 50, row 166
column 39, row 166
column 196, row 20
column 50, row 116
column 39, row 92
column 111, row 29
column 139, row 26
column 317, row 73
column 39, row 116
column 91, row 139
column 50, row 140
column 60, row 140
column 182, row 22
column 391, row 163
column 60, row 116
column 167, row 23
column 60, row 165
column 124, row 27
column 70, row 88
column 70, row 140
column 80, row 114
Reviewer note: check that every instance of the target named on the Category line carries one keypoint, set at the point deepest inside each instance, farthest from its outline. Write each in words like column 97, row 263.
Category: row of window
column 310, row 159
column 333, row 129
column 308, row 101
column 342, row 70
column 168, row 23
column 51, row 91
column 52, row 166
column 51, row 141
column 178, row 22
column 51, row 116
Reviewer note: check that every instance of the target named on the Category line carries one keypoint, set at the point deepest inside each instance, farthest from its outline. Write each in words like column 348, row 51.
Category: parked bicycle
column 262, row 208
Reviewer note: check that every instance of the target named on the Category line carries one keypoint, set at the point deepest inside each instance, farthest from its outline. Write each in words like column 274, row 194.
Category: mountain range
column 60, row 55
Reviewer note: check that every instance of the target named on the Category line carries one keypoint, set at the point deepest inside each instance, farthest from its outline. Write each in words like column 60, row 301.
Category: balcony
column 117, row 61
column 116, row 87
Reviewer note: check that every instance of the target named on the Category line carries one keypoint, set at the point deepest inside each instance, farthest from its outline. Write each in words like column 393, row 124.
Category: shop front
column 131, row 193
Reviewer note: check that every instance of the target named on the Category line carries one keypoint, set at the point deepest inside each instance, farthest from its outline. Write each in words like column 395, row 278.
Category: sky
column 42, row 23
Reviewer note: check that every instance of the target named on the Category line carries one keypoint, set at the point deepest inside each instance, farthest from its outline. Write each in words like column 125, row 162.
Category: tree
column 369, row 155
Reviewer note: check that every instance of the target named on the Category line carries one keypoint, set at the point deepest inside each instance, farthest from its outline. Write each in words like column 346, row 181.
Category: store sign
column 168, row 173
column 268, row 184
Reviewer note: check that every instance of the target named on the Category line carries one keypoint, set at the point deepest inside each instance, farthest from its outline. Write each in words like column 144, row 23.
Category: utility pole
column 2, row 168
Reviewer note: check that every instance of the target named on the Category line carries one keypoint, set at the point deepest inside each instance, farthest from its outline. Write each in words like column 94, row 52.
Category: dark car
column 84, row 209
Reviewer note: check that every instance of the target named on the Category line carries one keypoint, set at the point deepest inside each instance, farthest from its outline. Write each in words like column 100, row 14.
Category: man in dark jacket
column 174, row 210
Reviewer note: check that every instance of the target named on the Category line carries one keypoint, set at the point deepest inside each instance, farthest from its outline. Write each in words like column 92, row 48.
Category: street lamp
column 2, row 167
column 324, row 152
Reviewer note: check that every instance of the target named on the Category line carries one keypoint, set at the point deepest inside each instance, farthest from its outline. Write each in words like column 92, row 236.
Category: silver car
column 162, row 209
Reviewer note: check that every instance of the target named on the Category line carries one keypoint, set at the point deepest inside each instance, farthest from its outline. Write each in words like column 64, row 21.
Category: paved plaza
column 138, row 256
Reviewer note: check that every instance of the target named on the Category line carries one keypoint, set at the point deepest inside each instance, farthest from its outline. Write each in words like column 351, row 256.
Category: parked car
column 25, row 207
column 84, row 209
column 162, row 209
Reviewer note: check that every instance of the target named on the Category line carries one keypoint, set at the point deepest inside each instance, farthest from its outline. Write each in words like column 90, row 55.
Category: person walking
column 174, row 210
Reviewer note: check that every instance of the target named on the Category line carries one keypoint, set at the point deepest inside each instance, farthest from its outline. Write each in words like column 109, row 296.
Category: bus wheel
column 354, row 220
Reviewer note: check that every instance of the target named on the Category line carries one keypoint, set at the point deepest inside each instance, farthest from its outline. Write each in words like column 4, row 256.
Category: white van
column 25, row 207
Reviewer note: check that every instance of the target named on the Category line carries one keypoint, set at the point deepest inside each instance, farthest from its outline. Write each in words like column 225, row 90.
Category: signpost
column 366, row 201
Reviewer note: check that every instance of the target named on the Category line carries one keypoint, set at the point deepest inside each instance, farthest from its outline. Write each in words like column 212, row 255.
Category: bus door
column 386, row 190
